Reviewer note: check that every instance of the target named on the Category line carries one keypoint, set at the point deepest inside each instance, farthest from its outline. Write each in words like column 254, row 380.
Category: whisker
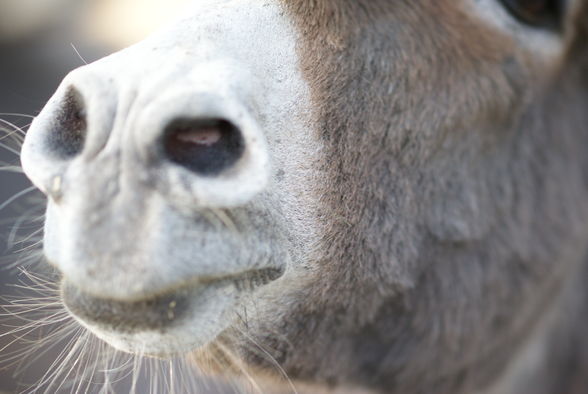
column 40, row 348
column 136, row 368
column 17, row 114
column 51, row 371
column 12, row 168
column 70, row 354
column 11, row 241
column 16, row 196
column 225, row 219
column 14, row 135
column 14, row 126
column 29, row 247
column 236, row 361
column 9, row 149
column 269, row 357
column 76, row 363
column 22, row 359
column 78, row 53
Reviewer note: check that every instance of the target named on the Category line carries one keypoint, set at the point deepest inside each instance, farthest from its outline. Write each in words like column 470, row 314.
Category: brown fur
column 456, row 201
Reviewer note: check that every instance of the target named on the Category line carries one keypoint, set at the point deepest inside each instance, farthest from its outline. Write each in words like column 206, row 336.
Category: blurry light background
column 40, row 41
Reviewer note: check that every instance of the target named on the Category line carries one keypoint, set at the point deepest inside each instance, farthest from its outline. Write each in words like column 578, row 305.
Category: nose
column 204, row 146
column 196, row 144
column 66, row 138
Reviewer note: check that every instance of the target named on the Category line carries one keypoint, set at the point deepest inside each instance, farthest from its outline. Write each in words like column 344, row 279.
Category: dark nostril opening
column 67, row 140
column 205, row 146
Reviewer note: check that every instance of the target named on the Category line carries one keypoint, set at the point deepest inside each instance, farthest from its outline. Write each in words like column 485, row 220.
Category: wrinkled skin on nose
column 166, row 168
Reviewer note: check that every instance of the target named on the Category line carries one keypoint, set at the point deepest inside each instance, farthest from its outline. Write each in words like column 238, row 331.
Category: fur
column 455, row 200
column 431, row 218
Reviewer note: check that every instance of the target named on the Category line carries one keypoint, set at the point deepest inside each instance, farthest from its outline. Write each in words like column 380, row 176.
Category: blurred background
column 40, row 41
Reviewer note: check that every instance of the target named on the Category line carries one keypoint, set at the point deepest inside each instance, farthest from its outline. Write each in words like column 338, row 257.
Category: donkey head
column 380, row 193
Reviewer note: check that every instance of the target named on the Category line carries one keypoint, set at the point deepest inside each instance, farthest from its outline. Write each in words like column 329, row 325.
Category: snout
column 134, row 184
column 200, row 144
column 131, row 178
column 158, row 164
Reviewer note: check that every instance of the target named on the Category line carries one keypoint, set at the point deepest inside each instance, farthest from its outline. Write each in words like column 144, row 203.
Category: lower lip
column 151, row 314
column 160, row 312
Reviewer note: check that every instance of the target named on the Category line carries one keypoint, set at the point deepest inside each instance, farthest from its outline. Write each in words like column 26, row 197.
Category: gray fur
column 459, row 172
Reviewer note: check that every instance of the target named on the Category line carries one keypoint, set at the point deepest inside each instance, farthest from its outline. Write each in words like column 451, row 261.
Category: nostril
column 67, row 139
column 205, row 146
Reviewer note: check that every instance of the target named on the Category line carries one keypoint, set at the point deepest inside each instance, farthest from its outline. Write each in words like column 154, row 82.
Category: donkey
column 383, row 196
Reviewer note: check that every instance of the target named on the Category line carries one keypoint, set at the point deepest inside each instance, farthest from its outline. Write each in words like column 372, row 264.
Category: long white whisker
column 11, row 239
column 136, row 369
column 12, row 168
column 52, row 372
column 72, row 354
column 9, row 149
column 16, row 196
column 13, row 126
column 14, row 135
column 271, row 358
column 78, row 53
column 240, row 364
column 16, row 114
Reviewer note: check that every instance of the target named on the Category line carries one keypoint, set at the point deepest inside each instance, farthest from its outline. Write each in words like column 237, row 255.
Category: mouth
column 169, row 322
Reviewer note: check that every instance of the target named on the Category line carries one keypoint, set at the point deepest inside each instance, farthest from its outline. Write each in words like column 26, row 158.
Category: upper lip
column 155, row 313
